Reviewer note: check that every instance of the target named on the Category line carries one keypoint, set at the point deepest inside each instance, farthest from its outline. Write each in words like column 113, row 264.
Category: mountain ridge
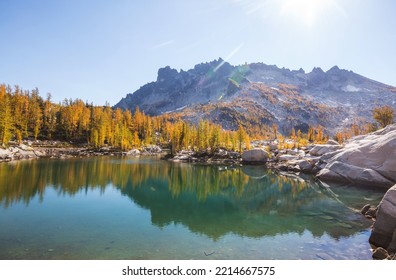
column 261, row 94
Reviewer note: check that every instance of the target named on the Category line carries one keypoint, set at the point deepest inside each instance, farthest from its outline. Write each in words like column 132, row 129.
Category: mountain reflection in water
column 248, row 201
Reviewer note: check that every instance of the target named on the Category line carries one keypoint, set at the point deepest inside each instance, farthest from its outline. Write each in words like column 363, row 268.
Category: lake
column 145, row 208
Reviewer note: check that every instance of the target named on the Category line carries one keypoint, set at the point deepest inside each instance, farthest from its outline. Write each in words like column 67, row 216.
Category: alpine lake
column 147, row 208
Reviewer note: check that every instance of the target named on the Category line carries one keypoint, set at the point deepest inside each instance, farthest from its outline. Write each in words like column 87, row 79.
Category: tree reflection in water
column 211, row 200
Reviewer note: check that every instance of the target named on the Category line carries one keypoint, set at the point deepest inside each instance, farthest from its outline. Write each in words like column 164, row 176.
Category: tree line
column 25, row 114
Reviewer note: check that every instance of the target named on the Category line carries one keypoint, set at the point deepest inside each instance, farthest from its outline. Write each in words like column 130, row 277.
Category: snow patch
column 178, row 109
column 351, row 88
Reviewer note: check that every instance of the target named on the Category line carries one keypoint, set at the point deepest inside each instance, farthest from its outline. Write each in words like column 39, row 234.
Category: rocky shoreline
column 368, row 160
column 53, row 149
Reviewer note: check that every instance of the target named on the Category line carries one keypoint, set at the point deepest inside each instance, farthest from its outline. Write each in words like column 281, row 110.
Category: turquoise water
column 145, row 208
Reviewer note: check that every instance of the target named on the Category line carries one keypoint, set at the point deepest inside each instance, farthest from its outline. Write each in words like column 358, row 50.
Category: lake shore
column 57, row 149
column 354, row 162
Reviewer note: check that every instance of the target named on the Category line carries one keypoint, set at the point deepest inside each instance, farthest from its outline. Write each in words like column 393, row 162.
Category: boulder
column 383, row 233
column 353, row 174
column 26, row 153
column 286, row 157
column 255, row 155
column 380, row 254
column 5, row 154
column 305, row 165
column 364, row 209
column 39, row 153
column 273, row 146
column 366, row 159
column 319, row 150
column 371, row 212
column 332, row 142
column 295, row 152
column 152, row 149
column 392, row 244
column 24, row 147
column 133, row 152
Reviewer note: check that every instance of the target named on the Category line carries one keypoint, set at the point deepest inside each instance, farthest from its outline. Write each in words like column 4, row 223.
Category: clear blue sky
column 101, row 50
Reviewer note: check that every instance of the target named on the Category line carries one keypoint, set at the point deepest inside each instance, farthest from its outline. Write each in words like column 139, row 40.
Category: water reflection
column 250, row 201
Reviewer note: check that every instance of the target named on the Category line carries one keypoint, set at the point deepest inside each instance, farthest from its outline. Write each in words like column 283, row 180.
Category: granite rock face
column 384, row 229
column 257, row 93
column 367, row 160
column 320, row 150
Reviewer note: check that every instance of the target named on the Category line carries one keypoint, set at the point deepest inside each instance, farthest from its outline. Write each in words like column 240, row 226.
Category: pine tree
column 384, row 115
column 6, row 122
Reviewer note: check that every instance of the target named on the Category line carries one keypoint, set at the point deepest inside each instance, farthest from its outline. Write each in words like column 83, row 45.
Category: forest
column 25, row 114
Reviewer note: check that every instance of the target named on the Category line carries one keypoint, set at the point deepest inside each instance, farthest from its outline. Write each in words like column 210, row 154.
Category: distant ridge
column 258, row 94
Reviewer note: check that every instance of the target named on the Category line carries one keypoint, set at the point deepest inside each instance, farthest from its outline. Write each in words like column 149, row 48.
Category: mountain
column 260, row 94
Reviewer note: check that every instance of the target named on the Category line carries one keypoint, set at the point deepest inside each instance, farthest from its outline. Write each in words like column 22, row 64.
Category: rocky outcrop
column 256, row 94
column 152, row 149
column 366, row 160
column 332, row 142
column 320, row 150
column 255, row 156
column 45, row 149
column 19, row 152
column 384, row 229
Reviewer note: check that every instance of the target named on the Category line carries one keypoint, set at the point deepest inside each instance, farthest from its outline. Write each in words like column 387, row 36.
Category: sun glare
column 306, row 11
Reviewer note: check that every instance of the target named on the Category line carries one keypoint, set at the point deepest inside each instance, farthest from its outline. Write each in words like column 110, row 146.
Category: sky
column 99, row 50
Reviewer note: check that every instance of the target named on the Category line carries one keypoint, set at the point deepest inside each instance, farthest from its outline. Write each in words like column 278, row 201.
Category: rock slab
column 383, row 233
column 367, row 160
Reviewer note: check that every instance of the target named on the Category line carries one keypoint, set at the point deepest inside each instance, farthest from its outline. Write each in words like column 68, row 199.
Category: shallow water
column 145, row 208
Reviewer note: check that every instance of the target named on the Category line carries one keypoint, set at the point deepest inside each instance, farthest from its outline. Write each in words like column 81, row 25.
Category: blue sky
column 101, row 50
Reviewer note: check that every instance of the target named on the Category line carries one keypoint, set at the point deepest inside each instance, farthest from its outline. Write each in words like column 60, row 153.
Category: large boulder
column 319, row 150
column 255, row 156
column 5, row 154
column 352, row 173
column 332, row 142
column 286, row 157
column 367, row 160
column 384, row 229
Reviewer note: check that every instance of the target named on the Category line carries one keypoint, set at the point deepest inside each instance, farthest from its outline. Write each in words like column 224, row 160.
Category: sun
column 308, row 12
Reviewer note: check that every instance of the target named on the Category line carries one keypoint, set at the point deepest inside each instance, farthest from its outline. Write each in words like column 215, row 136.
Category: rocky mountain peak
column 317, row 70
column 166, row 73
column 259, row 94
column 334, row 69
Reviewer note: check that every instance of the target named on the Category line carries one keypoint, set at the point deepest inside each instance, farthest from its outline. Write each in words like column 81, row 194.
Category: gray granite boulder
column 384, row 229
column 367, row 160
column 319, row 150
column 255, row 156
